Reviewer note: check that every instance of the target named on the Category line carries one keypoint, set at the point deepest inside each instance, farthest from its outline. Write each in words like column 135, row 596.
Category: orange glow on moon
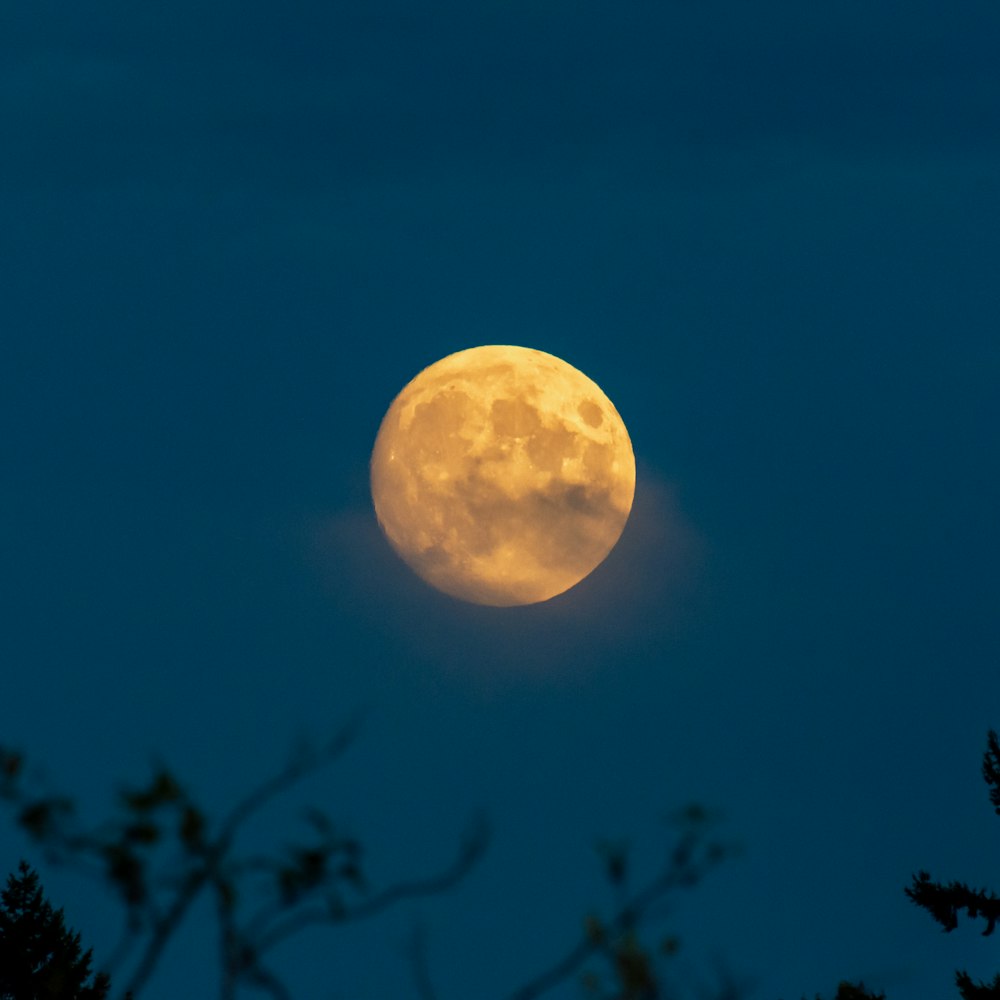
column 502, row 475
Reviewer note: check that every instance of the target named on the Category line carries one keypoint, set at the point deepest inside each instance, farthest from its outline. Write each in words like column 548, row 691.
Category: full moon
column 502, row 475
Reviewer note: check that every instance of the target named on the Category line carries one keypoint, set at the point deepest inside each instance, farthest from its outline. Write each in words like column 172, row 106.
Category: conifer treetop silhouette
column 40, row 958
column 945, row 902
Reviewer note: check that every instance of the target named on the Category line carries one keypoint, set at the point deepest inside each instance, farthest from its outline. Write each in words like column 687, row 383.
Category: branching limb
column 334, row 911
column 615, row 938
column 305, row 762
column 945, row 902
column 158, row 886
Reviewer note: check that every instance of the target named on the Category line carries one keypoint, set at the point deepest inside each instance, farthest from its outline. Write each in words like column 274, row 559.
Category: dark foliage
column 946, row 901
column 850, row 991
column 977, row 991
column 618, row 955
column 991, row 769
column 161, row 852
column 853, row 991
column 40, row 959
column 623, row 953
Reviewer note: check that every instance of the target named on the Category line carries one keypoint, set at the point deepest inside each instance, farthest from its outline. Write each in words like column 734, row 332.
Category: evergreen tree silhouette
column 850, row 991
column 946, row 901
column 40, row 958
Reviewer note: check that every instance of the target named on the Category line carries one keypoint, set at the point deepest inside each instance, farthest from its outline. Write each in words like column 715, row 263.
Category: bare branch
column 215, row 852
column 421, row 967
column 298, row 768
column 470, row 852
column 687, row 864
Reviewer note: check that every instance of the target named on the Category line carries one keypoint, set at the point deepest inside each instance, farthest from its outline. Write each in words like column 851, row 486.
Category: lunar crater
column 591, row 413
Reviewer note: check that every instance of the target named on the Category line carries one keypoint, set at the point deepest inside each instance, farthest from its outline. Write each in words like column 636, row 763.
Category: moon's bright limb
column 502, row 475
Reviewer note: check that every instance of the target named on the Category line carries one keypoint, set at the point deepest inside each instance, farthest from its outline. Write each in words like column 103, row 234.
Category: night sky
column 230, row 234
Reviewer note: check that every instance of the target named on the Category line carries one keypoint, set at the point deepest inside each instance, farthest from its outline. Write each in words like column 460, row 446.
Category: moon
column 502, row 475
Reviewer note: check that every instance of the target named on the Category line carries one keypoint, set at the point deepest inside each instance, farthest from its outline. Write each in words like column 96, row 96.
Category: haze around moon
column 502, row 475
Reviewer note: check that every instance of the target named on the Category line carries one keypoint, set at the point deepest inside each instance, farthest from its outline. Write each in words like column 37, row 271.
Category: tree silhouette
column 850, row 991
column 946, row 901
column 40, row 959
column 617, row 955
column 161, row 853
column 855, row 991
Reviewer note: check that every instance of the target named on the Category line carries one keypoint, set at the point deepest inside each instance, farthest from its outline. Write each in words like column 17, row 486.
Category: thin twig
column 288, row 776
column 217, row 850
column 468, row 856
column 626, row 918
column 421, row 967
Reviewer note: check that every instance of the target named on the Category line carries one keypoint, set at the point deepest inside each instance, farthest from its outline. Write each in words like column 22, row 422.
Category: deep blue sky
column 230, row 233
